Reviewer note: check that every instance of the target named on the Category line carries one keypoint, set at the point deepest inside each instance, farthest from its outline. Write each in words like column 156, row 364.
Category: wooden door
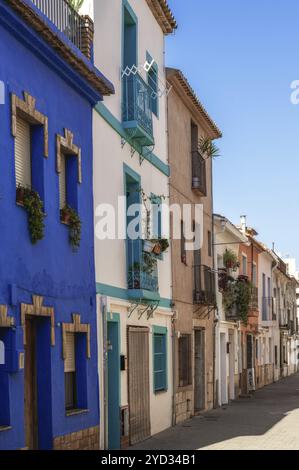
column 30, row 386
column 199, row 370
column 139, row 392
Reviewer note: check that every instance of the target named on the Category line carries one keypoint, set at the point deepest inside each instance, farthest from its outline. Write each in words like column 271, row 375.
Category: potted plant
column 33, row 205
column 70, row 217
column 157, row 250
column 160, row 245
column 230, row 260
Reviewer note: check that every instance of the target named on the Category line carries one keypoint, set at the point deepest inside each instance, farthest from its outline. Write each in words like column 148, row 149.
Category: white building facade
column 228, row 345
column 131, row 160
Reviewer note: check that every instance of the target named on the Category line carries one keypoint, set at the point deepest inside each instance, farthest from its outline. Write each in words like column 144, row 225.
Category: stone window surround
column 26, row 110
column 5, row 320
column 76, row 327
column 37, row 309
column 66, row 146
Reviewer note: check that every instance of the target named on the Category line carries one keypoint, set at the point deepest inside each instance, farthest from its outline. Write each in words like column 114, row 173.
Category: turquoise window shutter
column 160, row 361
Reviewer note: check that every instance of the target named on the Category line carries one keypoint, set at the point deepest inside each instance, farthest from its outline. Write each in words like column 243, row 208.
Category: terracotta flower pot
column 157, row 249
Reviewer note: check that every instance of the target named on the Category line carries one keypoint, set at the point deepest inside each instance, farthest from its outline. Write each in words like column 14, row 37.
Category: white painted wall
column 109, row 159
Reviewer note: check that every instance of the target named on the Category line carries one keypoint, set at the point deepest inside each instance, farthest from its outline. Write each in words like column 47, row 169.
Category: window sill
column 160, row 392
column 76, row 412
column 185, row 388
column 5, row 428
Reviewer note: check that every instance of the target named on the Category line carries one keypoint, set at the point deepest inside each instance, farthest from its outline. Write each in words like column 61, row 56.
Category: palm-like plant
column 76, row 4
column 208, row 148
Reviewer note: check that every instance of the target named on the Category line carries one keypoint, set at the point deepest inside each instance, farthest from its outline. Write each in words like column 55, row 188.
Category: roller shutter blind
column 23, row 154
column 62, row 183
column 70, row 360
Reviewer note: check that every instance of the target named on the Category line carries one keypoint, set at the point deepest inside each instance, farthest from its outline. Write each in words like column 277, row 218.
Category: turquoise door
column 113, row 386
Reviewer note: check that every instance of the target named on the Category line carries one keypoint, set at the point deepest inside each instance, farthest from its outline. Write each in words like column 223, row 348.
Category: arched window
column 2, row 353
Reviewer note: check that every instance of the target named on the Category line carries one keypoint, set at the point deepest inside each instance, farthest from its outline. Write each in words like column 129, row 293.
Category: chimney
column 243, row 223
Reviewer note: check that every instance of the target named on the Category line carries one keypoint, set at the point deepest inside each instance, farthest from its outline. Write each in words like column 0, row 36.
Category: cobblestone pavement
column 269, row 420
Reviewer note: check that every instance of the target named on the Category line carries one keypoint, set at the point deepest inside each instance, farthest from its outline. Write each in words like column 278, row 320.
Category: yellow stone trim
column 75, row 327
column 66, row 146
column 26, row 110
column 5, row 320
column 37, row 309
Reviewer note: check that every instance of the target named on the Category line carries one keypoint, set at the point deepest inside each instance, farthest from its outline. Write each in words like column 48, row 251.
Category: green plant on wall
column 73, row 221
column 33, row 204
column 208, row 148
column 237, row 295
column 230, row 260
column 243, row 298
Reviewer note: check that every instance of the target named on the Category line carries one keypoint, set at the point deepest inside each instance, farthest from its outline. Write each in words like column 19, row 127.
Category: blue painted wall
column 50, row 268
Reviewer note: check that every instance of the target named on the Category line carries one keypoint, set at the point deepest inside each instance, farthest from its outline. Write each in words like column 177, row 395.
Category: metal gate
column 138, row 378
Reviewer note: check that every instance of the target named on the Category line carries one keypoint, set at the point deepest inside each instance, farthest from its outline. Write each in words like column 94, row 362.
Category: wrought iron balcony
column 78, row 29
column 199, row 178
column 142, row 268
column 204, row 285
column 136, row 110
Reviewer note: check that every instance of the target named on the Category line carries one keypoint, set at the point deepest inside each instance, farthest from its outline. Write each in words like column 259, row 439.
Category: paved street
column 269, row 420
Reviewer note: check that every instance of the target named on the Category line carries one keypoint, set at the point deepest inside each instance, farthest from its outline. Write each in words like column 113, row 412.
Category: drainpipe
column 173, row 368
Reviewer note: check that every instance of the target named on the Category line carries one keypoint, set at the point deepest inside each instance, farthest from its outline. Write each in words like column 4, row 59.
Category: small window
column 153, row 82
column 244, row 265
column 254, row 275
column 70, row 373
column 68, row 181
column 209, row 243
column 276, row 355
column 23, row 162
column 183, row 244
column 156, row 217
column 62, row 183
column 185, row 370
column 160, row 362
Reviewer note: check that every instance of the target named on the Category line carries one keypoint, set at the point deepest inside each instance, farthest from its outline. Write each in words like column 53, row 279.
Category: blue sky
column 241, row 58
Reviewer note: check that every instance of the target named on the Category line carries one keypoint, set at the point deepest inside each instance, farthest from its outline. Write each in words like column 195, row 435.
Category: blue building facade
column 48, row 344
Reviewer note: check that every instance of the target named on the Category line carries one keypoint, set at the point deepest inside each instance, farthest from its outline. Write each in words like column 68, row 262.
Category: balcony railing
column 204, row 285
column 267, row 308
column 199, row 179
column 66, row 19
column 136, row 110
column 142, row 268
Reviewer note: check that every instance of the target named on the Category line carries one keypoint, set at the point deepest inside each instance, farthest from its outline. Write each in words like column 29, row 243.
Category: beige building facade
column 192, row 271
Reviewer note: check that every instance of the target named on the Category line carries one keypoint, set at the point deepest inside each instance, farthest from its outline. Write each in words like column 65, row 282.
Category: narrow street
column 267, row 421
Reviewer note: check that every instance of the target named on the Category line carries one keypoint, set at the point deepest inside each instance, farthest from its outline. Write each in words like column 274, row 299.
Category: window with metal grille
column 153, row 81
column 62, row 183
column 70, row 373
column 160, row 361
column 68, row 181
column 23, row 154
column 185, row 372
